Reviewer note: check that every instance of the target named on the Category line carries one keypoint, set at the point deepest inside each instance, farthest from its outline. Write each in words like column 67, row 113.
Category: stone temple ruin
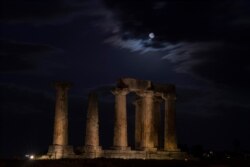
column 147, row 118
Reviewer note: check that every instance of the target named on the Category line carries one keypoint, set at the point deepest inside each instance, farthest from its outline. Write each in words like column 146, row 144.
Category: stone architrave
column 60, row 148
column 92, row 125
column 138, row 123
column 120, row 141
column 170, row 143
column 148, row 139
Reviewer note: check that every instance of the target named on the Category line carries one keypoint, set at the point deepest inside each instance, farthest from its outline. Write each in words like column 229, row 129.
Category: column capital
column 159, row 94
column 157, row 99
column 62, row 85
column 119, row 91
column 169, row 96
column 146, row 93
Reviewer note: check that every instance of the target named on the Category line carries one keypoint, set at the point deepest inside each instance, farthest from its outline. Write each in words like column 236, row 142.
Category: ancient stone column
column 120, row 125
column 138, row 123
column 170, row 143
column 60, row 148
column 92, row 125
column 156, row 121
column 147, row 140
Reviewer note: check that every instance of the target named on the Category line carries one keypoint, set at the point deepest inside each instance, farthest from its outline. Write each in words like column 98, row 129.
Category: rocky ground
column 122, row 163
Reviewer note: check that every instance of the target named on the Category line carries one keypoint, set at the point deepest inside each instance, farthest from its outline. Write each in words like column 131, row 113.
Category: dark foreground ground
column 122, row 163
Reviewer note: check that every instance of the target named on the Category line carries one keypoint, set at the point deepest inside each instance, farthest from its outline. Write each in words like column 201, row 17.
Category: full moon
column 151, row 35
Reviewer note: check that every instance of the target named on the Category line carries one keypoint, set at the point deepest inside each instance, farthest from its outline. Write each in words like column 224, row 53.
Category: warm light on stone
column 120, row 125
column 149, row 97
column 60, row 147
column 170, row 134
column 92, row 126
column 147, row 140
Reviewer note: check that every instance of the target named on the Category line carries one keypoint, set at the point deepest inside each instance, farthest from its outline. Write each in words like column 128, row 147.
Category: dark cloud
column 20, row 56
column 29, row 113
column 223, row 64
column 179, row 20
column 21, row 100
column 185, row 95
column 217, row 131
column 24, row 111
column 51, row 12
column 207, row 39
column 55, row 12
column 226, row 65
column 213, row 117
column 102, row 90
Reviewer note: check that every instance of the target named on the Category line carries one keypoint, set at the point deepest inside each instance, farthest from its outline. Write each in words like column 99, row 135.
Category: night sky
column 201, row 46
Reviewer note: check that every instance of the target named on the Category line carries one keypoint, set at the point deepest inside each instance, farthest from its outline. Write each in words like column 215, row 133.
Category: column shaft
column 61, row 116
column 120, row 125
column 170, row 143
column 92, row 125
column 156, row 121
column 138, row 123
column 60, row 147
column 147, row 141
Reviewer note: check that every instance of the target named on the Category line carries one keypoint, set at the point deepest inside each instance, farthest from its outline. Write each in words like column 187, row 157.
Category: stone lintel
column 145, row 93
column 134, row 84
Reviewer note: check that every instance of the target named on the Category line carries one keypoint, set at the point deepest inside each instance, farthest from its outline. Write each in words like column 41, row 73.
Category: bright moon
column 151, row 35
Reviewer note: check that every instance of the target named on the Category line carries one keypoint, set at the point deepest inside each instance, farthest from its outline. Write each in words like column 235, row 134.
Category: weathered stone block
column 134, row 84
column 59, row 151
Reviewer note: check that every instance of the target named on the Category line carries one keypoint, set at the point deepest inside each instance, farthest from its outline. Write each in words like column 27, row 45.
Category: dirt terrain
column 122, row 163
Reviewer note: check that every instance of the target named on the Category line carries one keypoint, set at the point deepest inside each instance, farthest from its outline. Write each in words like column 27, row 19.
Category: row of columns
column 146, row 125
column 147, row 119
